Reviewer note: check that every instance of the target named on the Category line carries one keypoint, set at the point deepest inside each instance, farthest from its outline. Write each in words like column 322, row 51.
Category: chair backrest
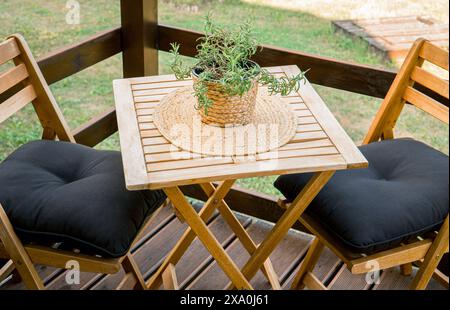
column 26, row 82
column 402, row 90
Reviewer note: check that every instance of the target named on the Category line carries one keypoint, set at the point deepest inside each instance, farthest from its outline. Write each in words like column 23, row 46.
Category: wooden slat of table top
column 319, row 143
column 306, row 144
column 183, row 159
column 331, row 127
column 256, row 168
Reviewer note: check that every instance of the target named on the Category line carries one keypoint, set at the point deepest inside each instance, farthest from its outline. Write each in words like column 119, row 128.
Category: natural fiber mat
column 273, row 125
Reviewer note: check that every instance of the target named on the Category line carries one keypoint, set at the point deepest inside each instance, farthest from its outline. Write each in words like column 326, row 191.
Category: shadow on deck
column 197, row 270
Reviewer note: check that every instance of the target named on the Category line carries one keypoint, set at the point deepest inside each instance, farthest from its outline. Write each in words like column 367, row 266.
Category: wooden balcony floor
column 197, row 270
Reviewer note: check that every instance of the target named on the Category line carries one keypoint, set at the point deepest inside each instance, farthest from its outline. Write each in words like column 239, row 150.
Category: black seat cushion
column 64, row 192
column 403, row 193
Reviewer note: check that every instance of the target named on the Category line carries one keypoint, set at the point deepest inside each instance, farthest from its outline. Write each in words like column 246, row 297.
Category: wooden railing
column 77, row 57
column 329, row 72
column 71, row 59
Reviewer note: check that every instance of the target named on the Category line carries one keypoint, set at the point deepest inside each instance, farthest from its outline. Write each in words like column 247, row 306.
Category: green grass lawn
column 89, row 92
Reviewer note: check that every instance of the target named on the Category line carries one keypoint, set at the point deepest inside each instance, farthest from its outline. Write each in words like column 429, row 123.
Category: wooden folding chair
column 426, row 250
column 26, row 79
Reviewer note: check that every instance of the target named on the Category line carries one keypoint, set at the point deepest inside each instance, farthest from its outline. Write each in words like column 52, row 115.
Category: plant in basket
column 225, row 79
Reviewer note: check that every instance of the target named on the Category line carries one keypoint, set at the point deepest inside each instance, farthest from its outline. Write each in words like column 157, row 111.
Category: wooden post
column 139, row 37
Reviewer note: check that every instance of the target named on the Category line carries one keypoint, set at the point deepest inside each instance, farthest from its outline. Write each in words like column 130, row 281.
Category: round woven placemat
column 273, row 125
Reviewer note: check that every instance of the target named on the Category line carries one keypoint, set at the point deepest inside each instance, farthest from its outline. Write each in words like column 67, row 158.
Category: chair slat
column 59, row 258
column 435, row 55
column 12, row 77
column 430, row 81
column 16, row 102
column 6, row 270
column 426, row 104
column 390, row 258
column 8, row 50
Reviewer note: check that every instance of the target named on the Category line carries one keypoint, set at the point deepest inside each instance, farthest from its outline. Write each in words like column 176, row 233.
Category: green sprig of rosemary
column 223, row 57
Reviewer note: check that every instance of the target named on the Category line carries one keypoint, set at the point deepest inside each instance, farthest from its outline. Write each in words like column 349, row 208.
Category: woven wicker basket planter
column 226, row 109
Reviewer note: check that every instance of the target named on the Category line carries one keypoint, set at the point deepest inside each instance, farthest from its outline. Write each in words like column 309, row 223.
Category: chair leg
column 203, row 233
column 184, row 242
column 18, row 254
column 308, row 264
column 406, row 269
column 130, row 267
column 170, row 281
column 242, row 235
column 286, row 221
column 432, row 259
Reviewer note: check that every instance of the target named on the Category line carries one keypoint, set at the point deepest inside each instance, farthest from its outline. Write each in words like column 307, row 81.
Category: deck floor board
column 197, row 258
column 197, row 269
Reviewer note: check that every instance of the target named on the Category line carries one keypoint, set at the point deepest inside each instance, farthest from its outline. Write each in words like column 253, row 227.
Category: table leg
column 287, row 220
column 169, row 277
column 308, row 263
column 242, row 235
column 207, row 238
column 182, row 245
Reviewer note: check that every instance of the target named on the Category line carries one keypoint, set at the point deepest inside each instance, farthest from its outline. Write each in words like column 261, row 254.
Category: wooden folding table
column 320, row 145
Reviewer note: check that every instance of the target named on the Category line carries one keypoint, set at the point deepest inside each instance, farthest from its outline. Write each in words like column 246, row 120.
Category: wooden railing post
column 139, row 37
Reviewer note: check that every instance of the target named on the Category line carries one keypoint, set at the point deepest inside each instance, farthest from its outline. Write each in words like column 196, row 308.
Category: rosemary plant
column 224, row 57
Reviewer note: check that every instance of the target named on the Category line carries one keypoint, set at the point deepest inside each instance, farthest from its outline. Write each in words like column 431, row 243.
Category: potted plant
column 225, row 79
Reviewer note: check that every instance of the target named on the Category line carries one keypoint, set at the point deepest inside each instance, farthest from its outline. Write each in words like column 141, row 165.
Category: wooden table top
column 152, row 162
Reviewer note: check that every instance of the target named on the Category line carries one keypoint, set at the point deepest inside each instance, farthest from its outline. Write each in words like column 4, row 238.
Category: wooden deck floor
column 197, row 270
